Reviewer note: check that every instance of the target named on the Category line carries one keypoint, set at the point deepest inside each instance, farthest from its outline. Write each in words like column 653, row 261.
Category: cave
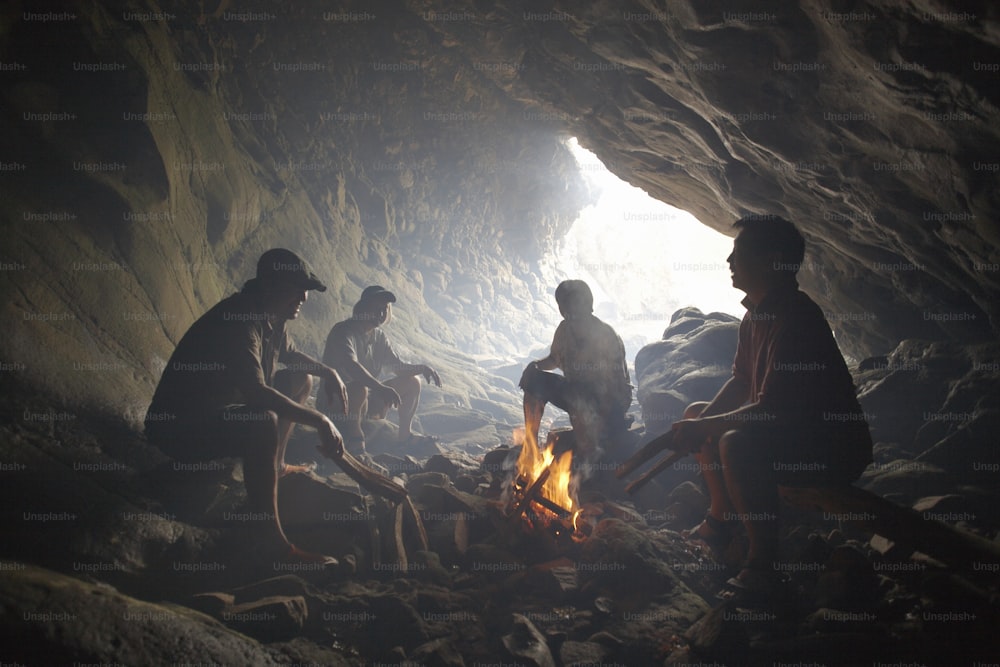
column 152, row 152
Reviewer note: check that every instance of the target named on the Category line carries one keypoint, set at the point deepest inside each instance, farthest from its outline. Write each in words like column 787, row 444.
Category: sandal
column 715, row 534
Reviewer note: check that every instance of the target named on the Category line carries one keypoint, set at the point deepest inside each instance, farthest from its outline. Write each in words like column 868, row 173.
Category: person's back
column 203, row 373
column 795, row 372
column 590, row 352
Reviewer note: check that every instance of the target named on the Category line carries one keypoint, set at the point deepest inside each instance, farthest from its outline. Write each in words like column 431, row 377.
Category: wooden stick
column 416, row 522
column 530, row 493
column 368, row 479
column 648, row 451
column 647, row 476
column 559, row 511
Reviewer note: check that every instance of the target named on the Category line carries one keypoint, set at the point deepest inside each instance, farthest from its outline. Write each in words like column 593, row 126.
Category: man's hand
column 331, row 443
column 430, row 375
column 388, row 395
column 336, row 390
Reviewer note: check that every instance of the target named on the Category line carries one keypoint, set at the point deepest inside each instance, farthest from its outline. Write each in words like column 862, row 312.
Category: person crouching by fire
column 594, row 388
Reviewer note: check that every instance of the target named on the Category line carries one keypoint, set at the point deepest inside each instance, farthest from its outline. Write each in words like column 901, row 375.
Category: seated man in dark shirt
column 789, row 415
column 361, row 352
column 221, row 396
column 594, row 387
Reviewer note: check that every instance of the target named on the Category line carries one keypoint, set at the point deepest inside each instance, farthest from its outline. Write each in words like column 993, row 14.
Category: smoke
column 642, row 258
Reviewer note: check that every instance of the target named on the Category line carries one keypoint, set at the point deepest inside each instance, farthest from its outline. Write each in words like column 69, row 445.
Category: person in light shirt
column 594, row 387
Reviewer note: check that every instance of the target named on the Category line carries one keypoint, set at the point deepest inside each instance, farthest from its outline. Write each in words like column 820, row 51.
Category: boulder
column 690, row 364
column 50, row 618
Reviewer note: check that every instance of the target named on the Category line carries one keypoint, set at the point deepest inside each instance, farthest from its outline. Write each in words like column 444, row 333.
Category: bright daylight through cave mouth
column 642, row 258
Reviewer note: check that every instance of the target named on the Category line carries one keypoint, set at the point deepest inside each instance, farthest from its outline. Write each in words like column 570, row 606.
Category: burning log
column 531, row 493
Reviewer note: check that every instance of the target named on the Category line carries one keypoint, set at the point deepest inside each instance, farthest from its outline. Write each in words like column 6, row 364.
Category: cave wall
column 156, row 153
column 872, row 125
column 151, row 152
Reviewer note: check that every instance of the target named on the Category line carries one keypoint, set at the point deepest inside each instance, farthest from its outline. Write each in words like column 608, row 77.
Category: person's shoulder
column 233, row 309
column 341, row 331
column 804, row 304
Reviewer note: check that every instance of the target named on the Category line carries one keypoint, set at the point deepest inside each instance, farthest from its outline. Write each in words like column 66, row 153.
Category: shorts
column 573, row 397
column 814, row 454
column 212, row 436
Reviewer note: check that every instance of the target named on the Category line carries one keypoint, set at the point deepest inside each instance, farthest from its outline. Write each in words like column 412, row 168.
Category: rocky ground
column 113, row 554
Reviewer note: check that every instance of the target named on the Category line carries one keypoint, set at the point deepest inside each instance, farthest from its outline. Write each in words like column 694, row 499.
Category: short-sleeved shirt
column 226, row 352
column 348, row 341
column 788, row 357
column 590, row 353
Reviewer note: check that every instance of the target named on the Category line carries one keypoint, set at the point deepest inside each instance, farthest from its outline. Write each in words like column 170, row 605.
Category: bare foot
column 291, row 468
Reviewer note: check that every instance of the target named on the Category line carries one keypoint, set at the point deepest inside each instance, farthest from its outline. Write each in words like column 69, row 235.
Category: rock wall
column 875, row 129
column 151, row 152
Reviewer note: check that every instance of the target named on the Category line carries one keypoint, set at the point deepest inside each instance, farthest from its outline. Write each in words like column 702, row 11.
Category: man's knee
column 261, row 433
column 295, row 384
column 405, row 385
column 694, row 410
column 740, row 452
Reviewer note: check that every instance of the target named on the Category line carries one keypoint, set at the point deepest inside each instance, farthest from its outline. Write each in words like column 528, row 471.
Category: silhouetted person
column 789, row 414
column 361, row 353
column 221, row 395
column 594, row 387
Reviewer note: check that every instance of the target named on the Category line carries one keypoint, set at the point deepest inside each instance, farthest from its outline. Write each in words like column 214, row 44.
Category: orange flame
column 535, row 460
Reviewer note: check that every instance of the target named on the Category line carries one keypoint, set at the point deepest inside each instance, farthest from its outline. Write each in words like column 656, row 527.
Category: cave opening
column 643, row 258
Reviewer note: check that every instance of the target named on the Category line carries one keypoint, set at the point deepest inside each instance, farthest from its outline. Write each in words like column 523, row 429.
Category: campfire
column 543, row 489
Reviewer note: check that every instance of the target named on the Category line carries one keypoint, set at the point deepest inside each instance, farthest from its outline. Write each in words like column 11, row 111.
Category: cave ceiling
column 420, row 143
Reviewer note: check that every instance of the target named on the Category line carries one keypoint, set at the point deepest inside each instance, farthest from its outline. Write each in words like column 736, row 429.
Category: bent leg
column 260, row 470
column 710, row 464
column 540, row 388
column 534, row 408
column 297, row 386
column 408, row 388
column 357, row 409
column 750, row 478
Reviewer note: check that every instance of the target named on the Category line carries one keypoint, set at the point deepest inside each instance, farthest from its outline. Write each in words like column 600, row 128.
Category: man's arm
column 730, row 397
column 332, row 382
column 722, row 414
column 267, row 398
column 419, row 369
column 263, row 397
column 547, row 363
column 360, row 374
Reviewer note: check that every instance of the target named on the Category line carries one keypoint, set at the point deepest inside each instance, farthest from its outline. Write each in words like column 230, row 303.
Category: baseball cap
column 281, row 265
column 377, row 293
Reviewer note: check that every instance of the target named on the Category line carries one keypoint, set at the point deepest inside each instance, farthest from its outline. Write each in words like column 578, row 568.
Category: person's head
column 767, row 251
column 284, row 280
column 574, row 298
column 373, row 307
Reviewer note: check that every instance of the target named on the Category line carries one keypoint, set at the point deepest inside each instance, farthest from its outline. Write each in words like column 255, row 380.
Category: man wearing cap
column 221, row 396
column 594, row 387
column 361, row 353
